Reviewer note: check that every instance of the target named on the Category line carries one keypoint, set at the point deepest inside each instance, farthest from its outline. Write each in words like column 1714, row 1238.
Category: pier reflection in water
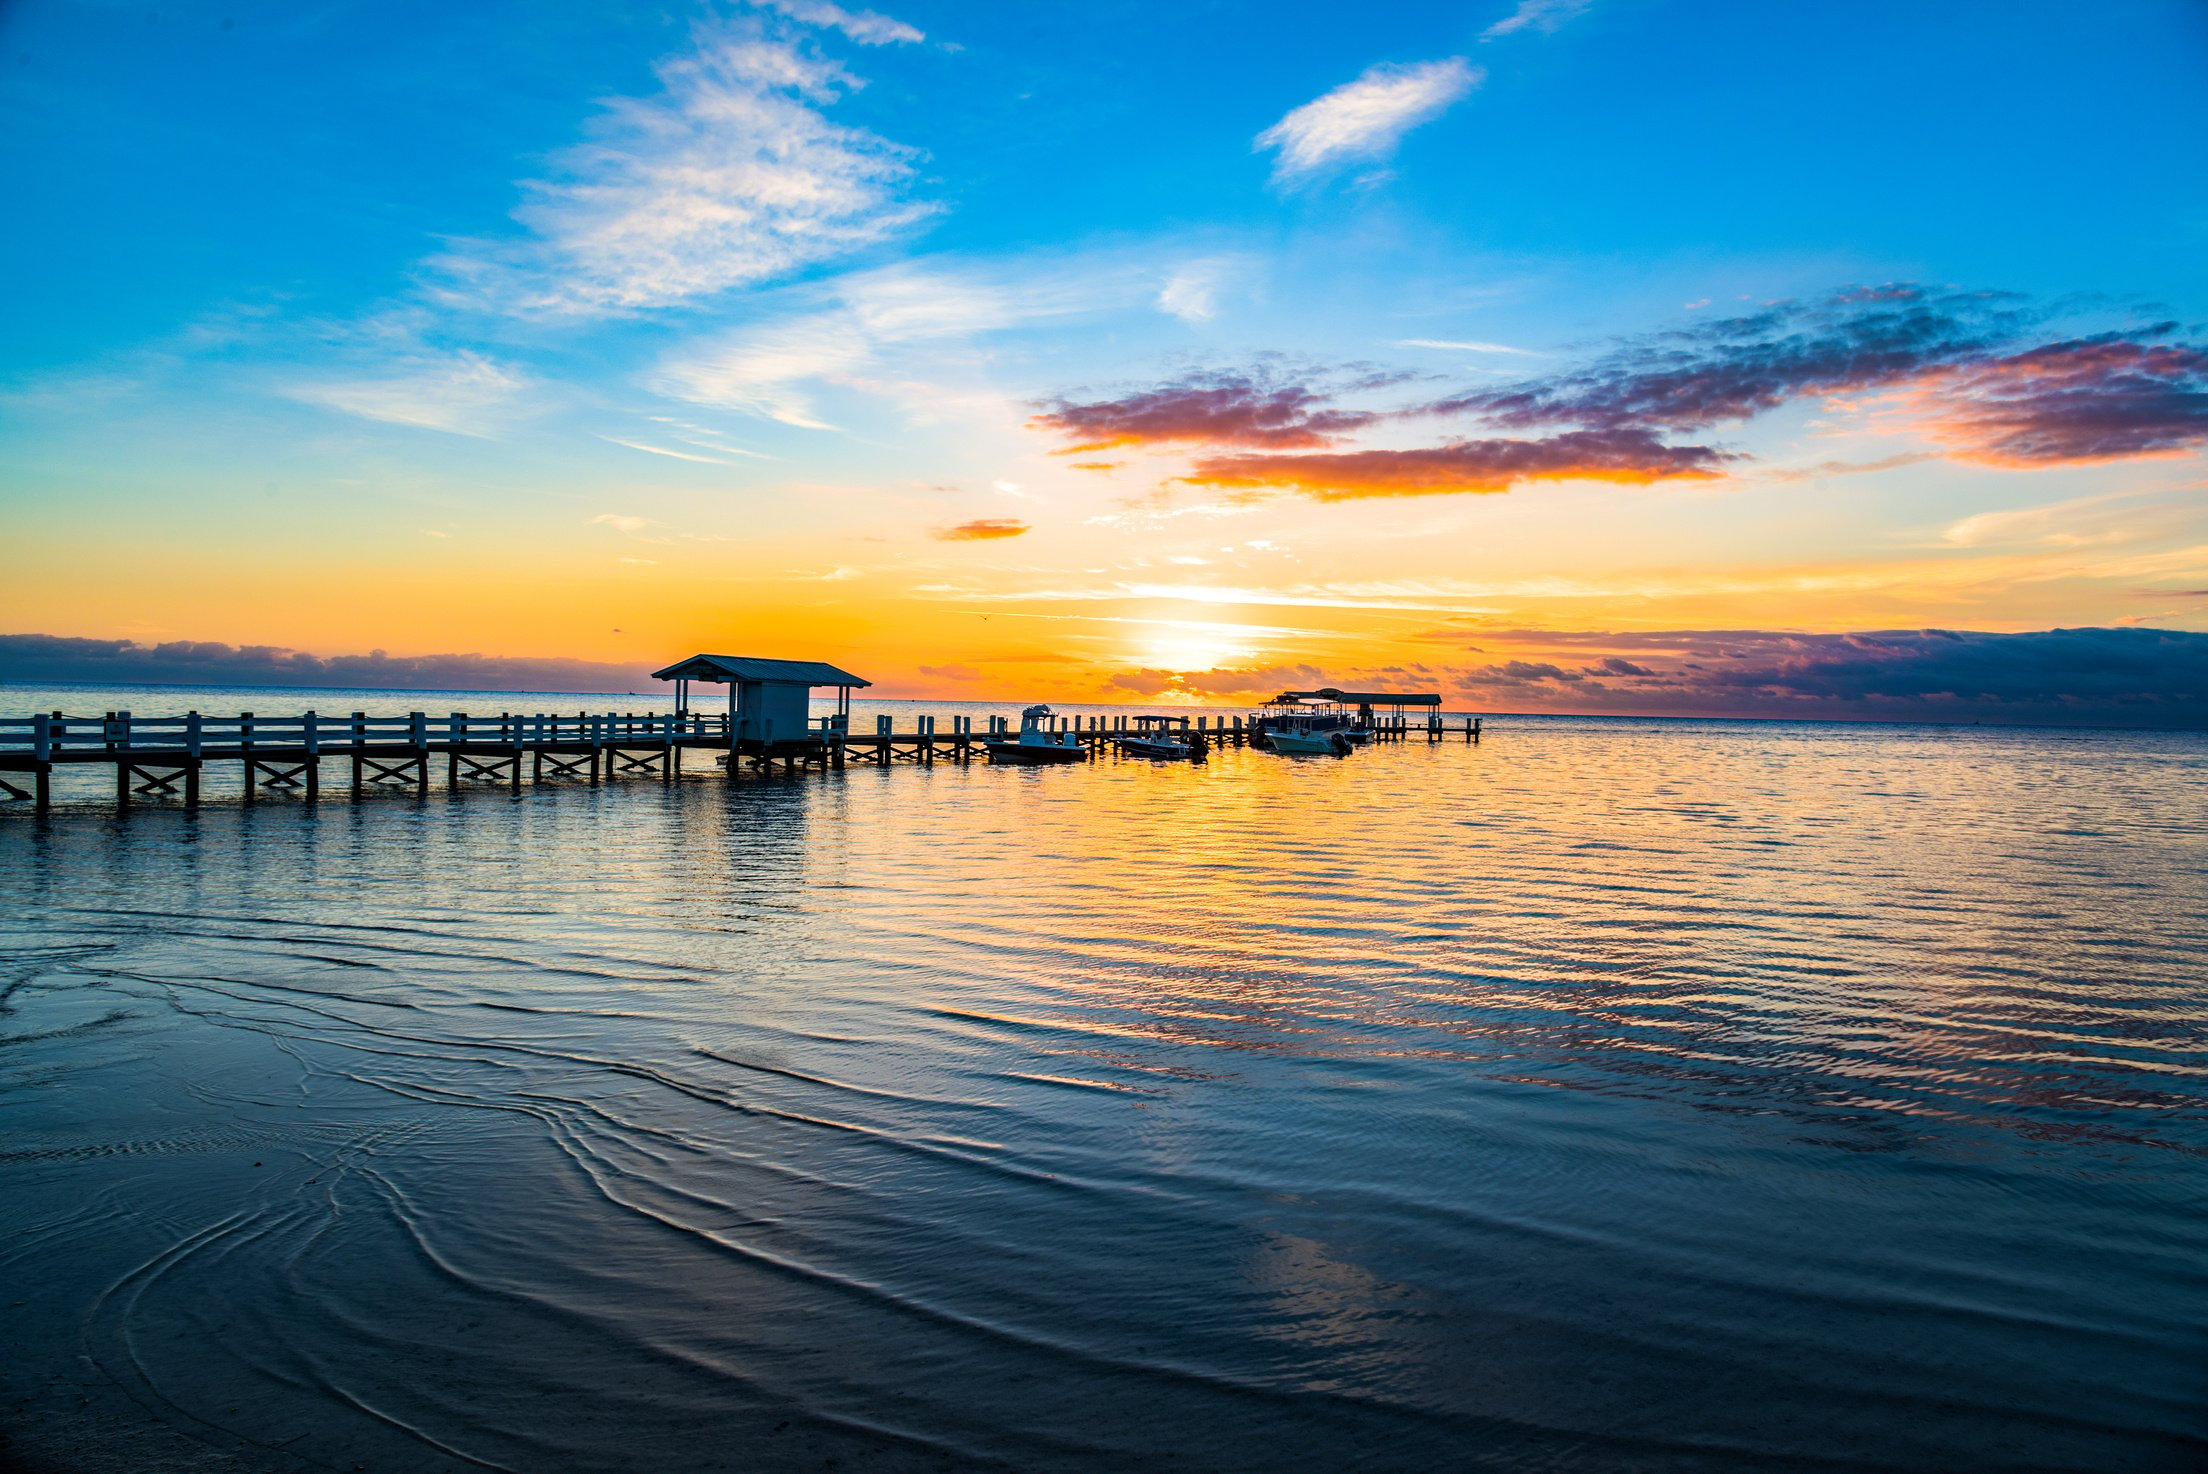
column 1611, row 1096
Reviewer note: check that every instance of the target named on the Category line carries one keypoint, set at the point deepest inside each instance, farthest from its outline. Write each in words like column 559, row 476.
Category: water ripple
column 1608, row 1097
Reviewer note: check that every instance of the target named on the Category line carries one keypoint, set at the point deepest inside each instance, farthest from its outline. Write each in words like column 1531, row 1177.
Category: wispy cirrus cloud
column 1463, row 347
column 730, row 176
column 661, row 450
column 1219, row 407
column 1633, row 457
column 1536, row 15
column 863, row 26
column 460, row 393
column 1365, row 119
column 1191, row 293
column 844, row 333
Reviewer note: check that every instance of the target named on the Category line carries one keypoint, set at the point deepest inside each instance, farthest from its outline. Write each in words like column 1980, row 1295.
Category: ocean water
column 1610, row 1096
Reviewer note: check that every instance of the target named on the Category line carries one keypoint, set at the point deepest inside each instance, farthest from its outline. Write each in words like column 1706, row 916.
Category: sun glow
column 1193, row 651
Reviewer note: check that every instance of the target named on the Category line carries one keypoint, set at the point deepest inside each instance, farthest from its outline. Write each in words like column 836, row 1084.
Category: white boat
column 1154, row 737
column 1300, row 736
column 1038, row 742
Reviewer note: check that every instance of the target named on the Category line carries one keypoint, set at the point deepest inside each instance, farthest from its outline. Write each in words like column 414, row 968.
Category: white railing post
column 309, row 729
column 192, row 732
column 417, row 729
column 42, row 737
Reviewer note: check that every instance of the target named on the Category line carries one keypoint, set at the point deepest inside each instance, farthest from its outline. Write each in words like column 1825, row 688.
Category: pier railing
column 54, row 737
column 163, row 756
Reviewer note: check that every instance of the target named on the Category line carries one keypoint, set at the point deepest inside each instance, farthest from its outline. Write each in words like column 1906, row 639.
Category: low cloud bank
column 2075, row 677
column 211, row 663
column 2071, row 677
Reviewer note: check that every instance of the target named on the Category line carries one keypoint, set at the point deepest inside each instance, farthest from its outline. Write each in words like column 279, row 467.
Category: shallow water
column 1610, row 1096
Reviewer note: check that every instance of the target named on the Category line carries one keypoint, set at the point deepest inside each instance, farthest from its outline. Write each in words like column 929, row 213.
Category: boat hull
column 1032, row 754
column 1309, row 744
column 1163, row 751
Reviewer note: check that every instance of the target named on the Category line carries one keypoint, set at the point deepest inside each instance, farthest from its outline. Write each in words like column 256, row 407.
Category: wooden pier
column 163, row 757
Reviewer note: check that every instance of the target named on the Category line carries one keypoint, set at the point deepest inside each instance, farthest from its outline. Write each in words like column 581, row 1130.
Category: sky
column 1559, row 355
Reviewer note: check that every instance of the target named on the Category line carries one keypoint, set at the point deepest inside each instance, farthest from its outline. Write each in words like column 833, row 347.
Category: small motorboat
column 1038, row 742
column 1154, row 737
column 1299, row 736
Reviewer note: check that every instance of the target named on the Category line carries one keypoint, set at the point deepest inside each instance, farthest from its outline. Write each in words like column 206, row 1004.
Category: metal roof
column 726, row 668
column 1357, row 698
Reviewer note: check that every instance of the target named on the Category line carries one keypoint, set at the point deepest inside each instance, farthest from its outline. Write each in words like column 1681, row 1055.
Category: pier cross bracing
column 767, row 725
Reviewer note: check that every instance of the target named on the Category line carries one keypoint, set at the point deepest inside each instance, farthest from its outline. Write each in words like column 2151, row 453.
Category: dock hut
column 769, row 701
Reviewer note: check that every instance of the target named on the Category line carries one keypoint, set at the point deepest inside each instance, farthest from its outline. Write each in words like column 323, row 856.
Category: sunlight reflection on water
column 1610, row 1096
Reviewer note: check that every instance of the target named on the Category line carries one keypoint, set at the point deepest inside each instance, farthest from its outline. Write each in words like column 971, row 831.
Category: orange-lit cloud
column 981, row 529
column 1630, row 456
column 1959, row 360
column 1206, row 409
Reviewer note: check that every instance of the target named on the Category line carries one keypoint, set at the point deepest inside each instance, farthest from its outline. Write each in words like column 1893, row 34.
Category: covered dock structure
column 770, row 703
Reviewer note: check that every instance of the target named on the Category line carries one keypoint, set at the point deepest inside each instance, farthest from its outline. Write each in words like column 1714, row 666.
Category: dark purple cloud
column 1739, row 367
column 2088, row 399
column 1633, row 456
column 1965, row 362
column 211, row 663
column 1219, row 408
column 2121, row 677
column 1963, row 358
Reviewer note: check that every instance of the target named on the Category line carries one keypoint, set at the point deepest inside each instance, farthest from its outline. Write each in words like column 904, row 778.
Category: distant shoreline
column 1014, row 702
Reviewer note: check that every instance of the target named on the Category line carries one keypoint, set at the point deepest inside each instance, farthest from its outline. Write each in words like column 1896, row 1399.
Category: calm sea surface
column 1612, row 1096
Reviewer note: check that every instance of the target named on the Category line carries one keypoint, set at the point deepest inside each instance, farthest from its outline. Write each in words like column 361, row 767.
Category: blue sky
column 735, row 321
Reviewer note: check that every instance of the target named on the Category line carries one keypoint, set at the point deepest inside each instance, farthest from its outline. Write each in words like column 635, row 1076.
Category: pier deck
column 162, row 757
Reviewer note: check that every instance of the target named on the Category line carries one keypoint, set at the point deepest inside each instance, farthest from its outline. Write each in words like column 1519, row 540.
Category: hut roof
column 1358, row 698
column 725, row 668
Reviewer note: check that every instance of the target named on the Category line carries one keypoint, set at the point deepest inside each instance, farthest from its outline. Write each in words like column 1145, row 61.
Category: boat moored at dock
column 1154, row 737
column 1039, row 741
column 1304, row 737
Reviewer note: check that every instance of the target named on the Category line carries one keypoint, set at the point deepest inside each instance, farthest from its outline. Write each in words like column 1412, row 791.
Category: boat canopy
column 1357, row 698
